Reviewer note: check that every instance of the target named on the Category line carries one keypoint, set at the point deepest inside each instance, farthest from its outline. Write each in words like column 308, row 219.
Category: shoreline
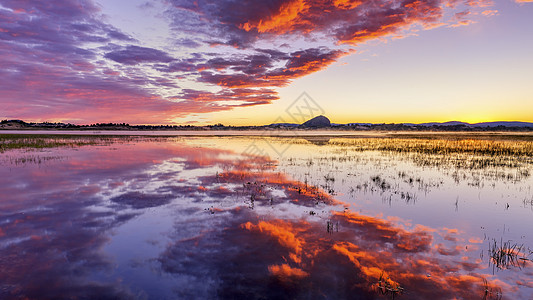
column 270, row 133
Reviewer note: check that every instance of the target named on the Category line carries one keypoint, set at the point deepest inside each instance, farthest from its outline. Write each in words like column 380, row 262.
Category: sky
column 249, row 62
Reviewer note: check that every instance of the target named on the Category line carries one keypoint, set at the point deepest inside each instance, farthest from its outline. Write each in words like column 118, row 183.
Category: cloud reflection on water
column 240, row 229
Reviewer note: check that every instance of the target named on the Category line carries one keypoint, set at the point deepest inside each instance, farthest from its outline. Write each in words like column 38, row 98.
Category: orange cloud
column 285, row 270
column 356, row 255
column 490, row 12
column 480, row 3
column 283, row 232
column 475, row 240
column 346, row 4
column 423, row 270
column 281, row 22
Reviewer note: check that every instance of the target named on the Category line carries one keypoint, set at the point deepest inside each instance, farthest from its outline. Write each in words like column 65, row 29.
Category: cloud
column 479, row 3
column 51, row 74
column 461, row 19
column 303, row 62
column 132, row 55
column 284, row 271
column 283, row 19
column 258, row 71
column 236, row 94
column 489, row 12
column 350, row 22
column 65, row 62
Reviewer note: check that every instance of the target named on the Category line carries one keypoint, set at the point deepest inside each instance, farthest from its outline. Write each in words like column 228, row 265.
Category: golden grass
column 439, row 146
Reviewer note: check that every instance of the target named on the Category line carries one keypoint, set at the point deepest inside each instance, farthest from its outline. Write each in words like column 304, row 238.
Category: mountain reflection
column 240, row 229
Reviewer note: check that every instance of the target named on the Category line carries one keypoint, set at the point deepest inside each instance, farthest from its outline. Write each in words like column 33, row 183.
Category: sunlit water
column 262, row 218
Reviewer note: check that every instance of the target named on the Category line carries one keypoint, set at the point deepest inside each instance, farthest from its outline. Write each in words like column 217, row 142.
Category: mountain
column 483, row 124
column 477, row 125
column 317, row 122
column 502, row 123
column 449, row 123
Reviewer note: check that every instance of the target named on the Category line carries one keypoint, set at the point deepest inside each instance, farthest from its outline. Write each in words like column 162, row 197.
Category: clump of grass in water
column 31, row 159
column 380, row 183
column 331, row 227
column 388, row 287
column 328, row 186
column 528, row 202
column 490, row 293
column 507, row 255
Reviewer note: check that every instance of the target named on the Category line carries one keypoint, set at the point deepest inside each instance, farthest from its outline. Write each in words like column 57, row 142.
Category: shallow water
column 266, row 218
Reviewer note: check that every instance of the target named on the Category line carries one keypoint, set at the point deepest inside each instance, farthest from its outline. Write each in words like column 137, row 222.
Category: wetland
column 318, row 216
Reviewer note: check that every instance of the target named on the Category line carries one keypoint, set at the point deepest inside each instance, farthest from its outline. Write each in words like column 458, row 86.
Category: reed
column 491, row 293
column 29, row 141
column 507, row 254
column 388, row 287
column 440, row 146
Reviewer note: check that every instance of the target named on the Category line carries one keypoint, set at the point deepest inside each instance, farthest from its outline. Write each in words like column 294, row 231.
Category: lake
column 312, row 216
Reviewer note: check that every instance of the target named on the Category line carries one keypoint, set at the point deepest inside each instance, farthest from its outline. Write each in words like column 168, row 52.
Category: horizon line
column 198, row 124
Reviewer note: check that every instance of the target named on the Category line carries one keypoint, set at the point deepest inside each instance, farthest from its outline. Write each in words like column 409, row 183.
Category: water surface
column 267, row 218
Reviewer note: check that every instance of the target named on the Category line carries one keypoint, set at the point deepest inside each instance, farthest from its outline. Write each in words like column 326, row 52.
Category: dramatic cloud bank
column 61, row 60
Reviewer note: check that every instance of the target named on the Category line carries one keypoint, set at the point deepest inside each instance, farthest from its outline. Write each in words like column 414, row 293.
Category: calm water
column 267, row 218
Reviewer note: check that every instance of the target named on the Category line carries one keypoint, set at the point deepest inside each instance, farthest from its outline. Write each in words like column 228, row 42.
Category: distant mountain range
column 483, row 124
column 431, row 124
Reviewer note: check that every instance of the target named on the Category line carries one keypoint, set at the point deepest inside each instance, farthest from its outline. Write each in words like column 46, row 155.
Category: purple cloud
column 132, row 55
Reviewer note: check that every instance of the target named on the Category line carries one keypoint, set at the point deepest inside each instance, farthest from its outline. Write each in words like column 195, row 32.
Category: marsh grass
column 492, row 159
column 328, row 186
column 332, row 227
column 491, row 293
column 27, row 141
column 506, row 255
column 40, row 141
column 441, row 146
column 528, row 202
column 476, row 148
column 29, row 159
column 476, row 171
column 27, row 146
column 387, row 287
